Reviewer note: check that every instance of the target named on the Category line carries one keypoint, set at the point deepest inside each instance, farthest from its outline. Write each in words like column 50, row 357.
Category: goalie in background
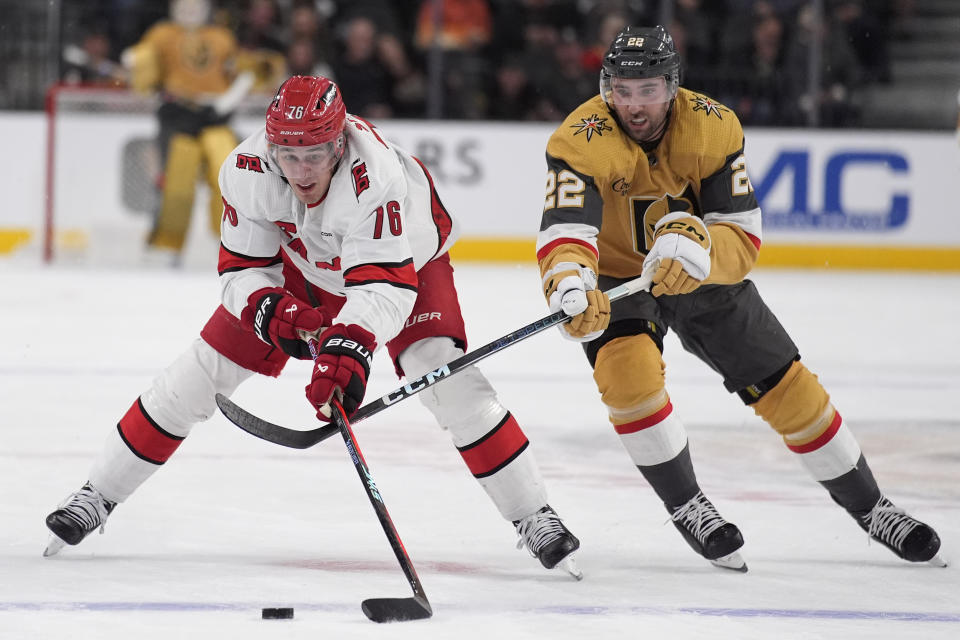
column 330, row 231
column 192, row 65
column 651, row 178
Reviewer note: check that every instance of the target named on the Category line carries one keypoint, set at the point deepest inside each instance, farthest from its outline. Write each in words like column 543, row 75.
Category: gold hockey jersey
column 186, row 63
column 604, row 194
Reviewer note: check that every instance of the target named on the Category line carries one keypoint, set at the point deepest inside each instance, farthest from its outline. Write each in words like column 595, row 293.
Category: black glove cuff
column 265, row 308
column 341, row 345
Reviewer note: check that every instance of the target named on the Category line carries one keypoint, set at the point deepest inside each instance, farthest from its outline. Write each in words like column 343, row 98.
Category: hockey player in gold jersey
column 648, row 177
column 191, row 64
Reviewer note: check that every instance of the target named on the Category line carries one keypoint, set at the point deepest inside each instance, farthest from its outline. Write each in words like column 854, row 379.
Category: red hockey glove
column 279, row 318
column 342, row 363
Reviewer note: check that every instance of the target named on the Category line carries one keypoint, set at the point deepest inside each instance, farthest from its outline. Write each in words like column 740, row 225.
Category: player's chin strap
column 299, row 439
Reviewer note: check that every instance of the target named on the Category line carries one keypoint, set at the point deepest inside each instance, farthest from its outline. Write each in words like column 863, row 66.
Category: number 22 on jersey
column 564, row 189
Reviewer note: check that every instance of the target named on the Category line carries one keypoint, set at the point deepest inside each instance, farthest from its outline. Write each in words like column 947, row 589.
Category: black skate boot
column 79, row 516
column 548, row 540
column 907, row 537
column 708, row 533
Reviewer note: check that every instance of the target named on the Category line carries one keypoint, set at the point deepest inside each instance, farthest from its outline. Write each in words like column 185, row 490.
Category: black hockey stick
column 382, row 609
column 300, row 439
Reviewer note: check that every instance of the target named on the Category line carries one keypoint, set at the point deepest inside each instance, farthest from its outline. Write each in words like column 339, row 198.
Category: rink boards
column 867, row 199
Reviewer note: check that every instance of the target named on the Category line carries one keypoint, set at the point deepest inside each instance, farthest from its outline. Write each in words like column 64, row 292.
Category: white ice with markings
column 233, row 524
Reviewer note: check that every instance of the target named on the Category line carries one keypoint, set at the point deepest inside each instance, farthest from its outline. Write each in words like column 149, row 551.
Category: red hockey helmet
column 305, row 124
column 307, row 110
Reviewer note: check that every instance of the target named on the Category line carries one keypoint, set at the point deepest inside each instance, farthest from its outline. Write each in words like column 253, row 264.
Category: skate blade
column 53, row 546
column 938, row 561
column 569, row 564
column 732, row 562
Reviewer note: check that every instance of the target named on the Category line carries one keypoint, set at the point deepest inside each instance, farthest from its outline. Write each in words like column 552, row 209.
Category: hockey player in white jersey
column 331, row 231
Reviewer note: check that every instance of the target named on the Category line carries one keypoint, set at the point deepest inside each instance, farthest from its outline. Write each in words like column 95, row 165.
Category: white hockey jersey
column 377, row 225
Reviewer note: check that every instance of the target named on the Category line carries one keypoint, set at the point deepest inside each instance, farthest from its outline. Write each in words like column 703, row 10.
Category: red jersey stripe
column 230, row 261
column 397, row 274
column 547, row 248
column 441, row 218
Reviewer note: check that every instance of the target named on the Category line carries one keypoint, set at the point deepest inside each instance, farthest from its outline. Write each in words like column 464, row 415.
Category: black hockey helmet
column 641, row 52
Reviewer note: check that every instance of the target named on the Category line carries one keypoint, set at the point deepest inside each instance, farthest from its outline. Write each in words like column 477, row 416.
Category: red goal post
column 88, row 185
column 103, row 171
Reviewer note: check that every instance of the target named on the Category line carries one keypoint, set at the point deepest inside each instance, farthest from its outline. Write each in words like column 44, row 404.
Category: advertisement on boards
column 836, row 189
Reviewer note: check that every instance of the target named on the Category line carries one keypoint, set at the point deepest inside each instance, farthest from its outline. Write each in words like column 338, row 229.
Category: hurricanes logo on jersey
column 708, row 106
column 592, row 125
column 249, row 162
column 361, row 181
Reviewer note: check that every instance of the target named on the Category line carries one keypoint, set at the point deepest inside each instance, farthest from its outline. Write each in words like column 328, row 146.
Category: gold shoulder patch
column 589, row 139
column 706, row 129
column 708, row 106
column 594, row 124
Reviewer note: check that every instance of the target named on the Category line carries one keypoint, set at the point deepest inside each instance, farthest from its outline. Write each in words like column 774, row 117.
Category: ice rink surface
column 233, row 524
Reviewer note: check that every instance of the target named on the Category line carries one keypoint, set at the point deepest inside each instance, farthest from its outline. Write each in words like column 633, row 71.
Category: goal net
column 103, row 177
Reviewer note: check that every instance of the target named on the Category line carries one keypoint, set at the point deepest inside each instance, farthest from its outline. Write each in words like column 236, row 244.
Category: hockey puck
column 277, row 613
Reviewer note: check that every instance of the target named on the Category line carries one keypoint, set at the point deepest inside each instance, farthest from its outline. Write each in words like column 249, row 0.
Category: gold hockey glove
column 680, row 255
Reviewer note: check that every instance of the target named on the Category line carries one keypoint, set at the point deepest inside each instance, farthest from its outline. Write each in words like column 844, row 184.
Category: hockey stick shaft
column 429, row 379
column 381, row 609
column 300, row 439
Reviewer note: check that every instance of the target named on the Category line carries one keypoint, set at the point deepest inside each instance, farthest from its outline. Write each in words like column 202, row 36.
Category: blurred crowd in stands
column 523, row 59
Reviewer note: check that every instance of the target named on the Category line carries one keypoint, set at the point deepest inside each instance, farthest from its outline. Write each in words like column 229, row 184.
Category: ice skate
column 907, row 537
column 77, row 517
column 708, row 533
column 548, row 540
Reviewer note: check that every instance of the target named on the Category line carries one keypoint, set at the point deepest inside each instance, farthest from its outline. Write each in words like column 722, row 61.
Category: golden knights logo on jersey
column 195, row 52
column 185, row 63
column 648, row 210
column 608, row 192
column 592, row 125
column 708, row 106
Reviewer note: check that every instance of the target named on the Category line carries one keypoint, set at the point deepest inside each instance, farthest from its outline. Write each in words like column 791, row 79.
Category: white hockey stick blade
column 569, row 564
column 733, row 562
column 54, row 544
column 396, row 609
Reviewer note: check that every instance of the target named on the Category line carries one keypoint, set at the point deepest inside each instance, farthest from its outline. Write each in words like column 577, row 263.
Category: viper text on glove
column 280, row 319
